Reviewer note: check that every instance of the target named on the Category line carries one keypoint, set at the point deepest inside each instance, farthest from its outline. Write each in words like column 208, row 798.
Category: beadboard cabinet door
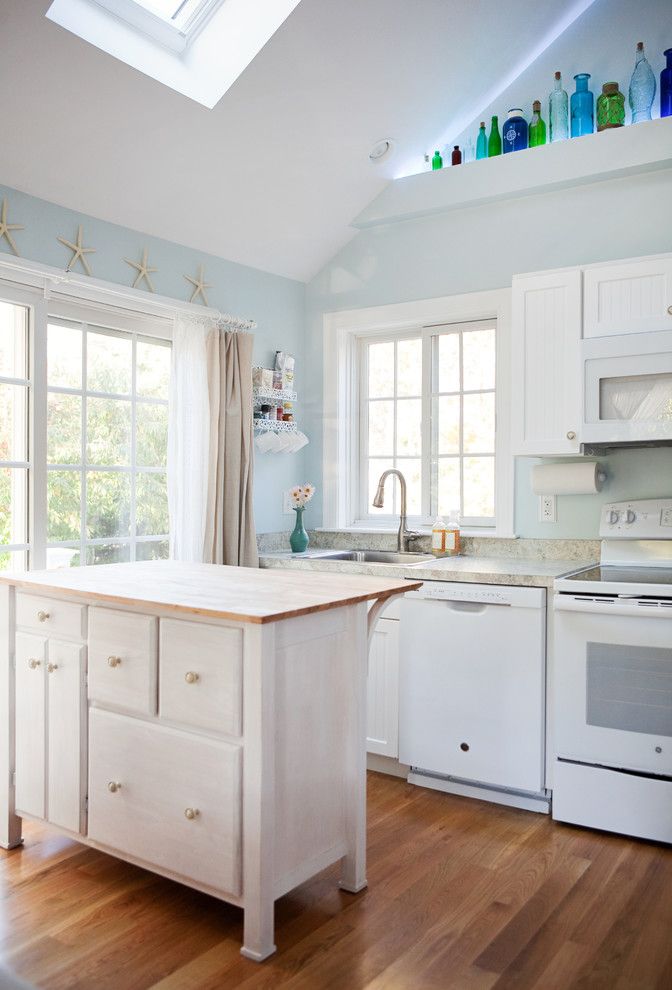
column 546, row 369
column 382, row 729
column 632, row 297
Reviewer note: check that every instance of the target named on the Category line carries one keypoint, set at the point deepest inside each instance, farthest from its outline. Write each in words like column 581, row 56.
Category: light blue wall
column 481, row 248
column 277, row 305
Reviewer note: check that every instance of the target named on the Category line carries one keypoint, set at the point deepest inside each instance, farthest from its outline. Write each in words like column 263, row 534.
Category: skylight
column 196, row 47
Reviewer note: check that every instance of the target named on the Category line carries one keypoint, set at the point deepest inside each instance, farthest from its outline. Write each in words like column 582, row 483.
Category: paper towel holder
column 574, row 478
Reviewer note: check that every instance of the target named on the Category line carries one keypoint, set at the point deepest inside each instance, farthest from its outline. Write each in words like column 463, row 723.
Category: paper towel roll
column 575, row 478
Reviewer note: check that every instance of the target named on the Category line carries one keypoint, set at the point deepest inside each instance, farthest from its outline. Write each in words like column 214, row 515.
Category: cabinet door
column 546, row 410
column 66, row 711
column 31, row 657
column 383, row 690
column 635, row 297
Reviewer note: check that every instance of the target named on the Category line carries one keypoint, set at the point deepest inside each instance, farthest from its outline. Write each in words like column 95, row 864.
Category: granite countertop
column 529, row 572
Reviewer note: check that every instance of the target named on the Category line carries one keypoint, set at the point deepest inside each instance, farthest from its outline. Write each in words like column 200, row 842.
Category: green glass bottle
column 495, row 139
column 537, row 126
column 482, row 142
column 437, row 161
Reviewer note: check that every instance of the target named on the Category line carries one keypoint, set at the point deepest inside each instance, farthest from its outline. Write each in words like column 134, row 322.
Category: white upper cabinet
column 546, row 335
column 631, row 297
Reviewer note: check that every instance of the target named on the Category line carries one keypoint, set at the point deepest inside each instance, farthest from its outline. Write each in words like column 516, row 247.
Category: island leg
column 353, row 870
column 10, row 824
column 259, row 793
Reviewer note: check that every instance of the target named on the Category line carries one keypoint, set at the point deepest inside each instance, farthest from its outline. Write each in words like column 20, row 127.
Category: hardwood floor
column 462, row 895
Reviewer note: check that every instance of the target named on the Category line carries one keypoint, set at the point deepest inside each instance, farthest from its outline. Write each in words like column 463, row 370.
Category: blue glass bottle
column 514, row 132
column 582, row 107
column 642, row 87
column 666, row 86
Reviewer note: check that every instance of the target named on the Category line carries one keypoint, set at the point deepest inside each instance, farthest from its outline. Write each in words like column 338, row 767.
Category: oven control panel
column 640, row 519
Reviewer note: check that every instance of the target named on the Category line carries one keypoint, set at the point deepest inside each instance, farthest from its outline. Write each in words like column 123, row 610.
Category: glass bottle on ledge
column 610, row 107
column 495, row 139
column 666, row 86
column 642, row 87
column 437, row 161
column 537, row 126
column 558, row 103
column 482, row 142
column 582, row 107
column 514, row 132
column 456, row 157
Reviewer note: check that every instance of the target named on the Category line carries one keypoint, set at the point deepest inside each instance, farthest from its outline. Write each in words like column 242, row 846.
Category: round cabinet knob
column 51, row 667
column 114, row 786
column 42, row 616
column 464, row 747
column 33, row 664
column 191, row 813
column 191, row 677
column 113, row 661
column 571, row 435
column 659, row 749
column 669, row 310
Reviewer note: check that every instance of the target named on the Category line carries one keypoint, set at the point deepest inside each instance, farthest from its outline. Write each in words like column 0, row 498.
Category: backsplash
column 471, row 546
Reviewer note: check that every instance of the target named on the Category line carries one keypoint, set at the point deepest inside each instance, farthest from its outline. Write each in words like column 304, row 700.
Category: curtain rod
column 56, row 282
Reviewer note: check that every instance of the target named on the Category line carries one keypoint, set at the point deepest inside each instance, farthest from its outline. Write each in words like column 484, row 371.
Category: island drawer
column 200, row 675
column 167, row 798
column 50, row 617
column 122, row 660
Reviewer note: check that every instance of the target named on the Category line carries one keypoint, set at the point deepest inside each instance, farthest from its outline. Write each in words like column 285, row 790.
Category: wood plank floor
column 462, row 895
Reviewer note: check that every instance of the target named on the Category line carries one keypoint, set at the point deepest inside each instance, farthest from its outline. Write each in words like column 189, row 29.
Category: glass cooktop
column 624, row 575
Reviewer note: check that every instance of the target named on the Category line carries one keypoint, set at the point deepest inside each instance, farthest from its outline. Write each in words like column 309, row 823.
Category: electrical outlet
column 548, row 511
column 287, row 504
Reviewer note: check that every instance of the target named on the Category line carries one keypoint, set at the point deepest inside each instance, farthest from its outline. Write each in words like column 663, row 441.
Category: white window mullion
column 133, row 522
column 429, row 427
column 37, row 437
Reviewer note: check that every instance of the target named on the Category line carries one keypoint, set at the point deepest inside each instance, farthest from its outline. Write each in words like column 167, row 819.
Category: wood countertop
column 242, row 594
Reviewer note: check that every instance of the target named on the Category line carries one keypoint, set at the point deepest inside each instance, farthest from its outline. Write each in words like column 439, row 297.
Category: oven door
column 612, row 686
column 627, row 388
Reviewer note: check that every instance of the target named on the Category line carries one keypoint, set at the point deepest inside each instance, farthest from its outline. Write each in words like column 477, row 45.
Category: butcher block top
column 243, row 594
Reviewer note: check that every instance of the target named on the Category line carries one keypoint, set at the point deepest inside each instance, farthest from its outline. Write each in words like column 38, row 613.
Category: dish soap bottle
column 439, row 535
column 453, row 533
column 642, row 87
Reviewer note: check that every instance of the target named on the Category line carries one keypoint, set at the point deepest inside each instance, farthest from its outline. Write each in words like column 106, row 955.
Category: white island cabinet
column 204, row 722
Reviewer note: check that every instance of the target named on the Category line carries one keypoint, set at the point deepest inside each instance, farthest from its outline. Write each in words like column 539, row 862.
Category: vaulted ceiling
column 273, row 175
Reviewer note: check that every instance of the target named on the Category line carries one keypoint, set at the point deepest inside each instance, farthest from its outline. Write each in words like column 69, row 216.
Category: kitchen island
column 203, row 722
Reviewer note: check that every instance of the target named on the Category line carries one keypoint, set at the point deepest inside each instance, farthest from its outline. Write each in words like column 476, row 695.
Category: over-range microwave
column 627, row 389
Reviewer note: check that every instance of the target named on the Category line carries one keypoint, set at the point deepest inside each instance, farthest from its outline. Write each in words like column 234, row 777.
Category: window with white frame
column 107, row 425
column 427, row 408
column 14, row 465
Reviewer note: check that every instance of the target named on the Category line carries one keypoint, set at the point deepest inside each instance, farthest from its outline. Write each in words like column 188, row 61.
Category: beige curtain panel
column 210, row 449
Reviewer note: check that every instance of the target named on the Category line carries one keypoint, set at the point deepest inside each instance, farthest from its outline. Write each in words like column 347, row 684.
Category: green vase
column 298, row 539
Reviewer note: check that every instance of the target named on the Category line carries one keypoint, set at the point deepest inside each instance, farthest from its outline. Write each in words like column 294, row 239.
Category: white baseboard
column 386, row 764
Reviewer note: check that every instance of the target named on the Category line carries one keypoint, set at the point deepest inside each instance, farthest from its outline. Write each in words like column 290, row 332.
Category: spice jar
column 610, row 107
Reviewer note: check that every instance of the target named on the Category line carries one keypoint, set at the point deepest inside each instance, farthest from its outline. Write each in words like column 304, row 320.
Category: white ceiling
column 273, row 175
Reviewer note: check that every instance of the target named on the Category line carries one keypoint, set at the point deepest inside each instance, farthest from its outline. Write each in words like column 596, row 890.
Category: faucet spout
column 405, row 535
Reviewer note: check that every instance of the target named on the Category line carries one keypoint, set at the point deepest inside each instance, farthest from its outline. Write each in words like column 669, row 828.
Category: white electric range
column 612, row 680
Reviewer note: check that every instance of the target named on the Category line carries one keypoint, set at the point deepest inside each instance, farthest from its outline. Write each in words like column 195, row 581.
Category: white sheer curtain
column 210, row 445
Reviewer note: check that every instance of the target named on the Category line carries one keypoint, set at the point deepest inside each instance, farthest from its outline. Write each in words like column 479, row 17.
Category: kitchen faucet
column 404, row 535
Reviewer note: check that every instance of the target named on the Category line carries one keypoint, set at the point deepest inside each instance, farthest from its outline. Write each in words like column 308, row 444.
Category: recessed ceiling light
column 381, row 149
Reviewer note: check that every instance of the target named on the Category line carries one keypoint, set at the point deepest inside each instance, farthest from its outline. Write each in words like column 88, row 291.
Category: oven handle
column 613, row 606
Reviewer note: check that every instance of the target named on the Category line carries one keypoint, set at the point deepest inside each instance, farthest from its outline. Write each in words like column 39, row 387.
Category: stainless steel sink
column 379, row 556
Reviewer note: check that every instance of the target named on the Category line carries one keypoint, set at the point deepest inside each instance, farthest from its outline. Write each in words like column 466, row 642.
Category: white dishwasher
column 472, row 690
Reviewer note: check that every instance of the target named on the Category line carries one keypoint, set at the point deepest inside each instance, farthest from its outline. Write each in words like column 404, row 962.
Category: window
column 173, row 23
column 14, row 465
column 107, row 423
column 427, row 407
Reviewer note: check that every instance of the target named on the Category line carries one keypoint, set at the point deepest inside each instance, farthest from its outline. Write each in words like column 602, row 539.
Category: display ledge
column 612, row 154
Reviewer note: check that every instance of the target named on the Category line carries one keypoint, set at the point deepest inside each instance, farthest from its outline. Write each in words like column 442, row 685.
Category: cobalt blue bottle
column 582, row 107
column 514, row 132
column 666, row 86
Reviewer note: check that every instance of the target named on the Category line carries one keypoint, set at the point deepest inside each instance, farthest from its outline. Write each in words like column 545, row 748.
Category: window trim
column 341, row 390
column 176, row 33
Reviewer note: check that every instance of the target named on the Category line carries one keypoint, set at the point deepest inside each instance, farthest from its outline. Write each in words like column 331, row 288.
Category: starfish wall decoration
column 78, row 252
column 143, row 269
column 7, row 228
column 200, row 285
